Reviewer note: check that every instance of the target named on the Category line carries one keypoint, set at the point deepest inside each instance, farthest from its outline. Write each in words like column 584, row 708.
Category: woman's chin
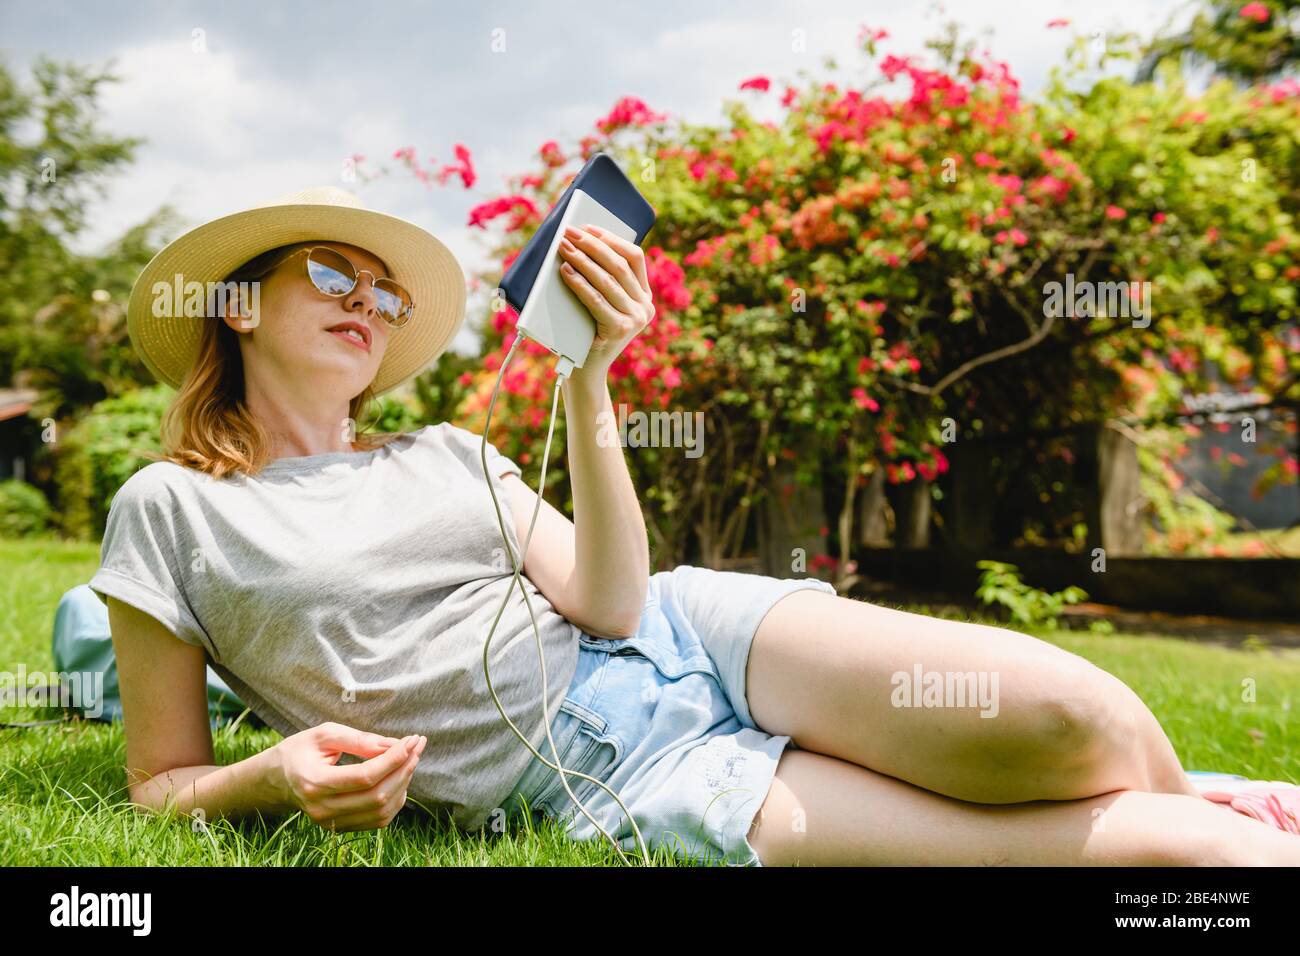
column 343, row 377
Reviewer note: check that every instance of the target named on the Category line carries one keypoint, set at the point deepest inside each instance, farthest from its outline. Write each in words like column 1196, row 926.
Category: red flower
column 550, row 153
column 892, row 65
column 984, row 159
column 629, row 111
column 1158, row 218
column 1254, row 11
column 1115, row 212
column 863, row 400
column 465, row 168
column 488, row 211
column 760, row 83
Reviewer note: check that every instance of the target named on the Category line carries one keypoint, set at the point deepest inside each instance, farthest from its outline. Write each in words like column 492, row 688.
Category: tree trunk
column 968, row 514
column 873, row 518
column 790, row 523
column 1114, row 493
column 913, row 530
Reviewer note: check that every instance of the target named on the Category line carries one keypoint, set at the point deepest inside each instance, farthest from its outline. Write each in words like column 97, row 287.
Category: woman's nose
column 362, row 298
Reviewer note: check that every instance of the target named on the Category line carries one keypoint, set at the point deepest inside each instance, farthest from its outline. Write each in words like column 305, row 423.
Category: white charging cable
column 563, row 367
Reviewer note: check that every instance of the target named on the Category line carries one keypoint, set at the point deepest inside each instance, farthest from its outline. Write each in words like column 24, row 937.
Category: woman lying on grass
column 343, row 585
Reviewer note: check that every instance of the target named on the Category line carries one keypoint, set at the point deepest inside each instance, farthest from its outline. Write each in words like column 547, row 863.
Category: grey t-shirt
column 356, row 587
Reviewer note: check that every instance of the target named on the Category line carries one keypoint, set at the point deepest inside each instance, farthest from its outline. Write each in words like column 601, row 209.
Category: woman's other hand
column 361, row 796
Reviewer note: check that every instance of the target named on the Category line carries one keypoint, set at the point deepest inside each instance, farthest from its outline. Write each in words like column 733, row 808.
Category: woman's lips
column 351, row 340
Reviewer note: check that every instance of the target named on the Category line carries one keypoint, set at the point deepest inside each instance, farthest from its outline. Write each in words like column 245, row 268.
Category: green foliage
column 62, row 314
column 833, row 285
column 1001, row 585
column 1182, row 522
column 1234, row 44
column 389, row 414
column 98, row 455
column 23, row 510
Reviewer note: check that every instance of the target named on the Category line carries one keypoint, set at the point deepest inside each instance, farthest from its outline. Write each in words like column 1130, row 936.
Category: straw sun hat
column 169, row 343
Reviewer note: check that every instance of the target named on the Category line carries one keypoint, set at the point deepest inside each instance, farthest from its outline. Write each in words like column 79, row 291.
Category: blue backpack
column 82, row 645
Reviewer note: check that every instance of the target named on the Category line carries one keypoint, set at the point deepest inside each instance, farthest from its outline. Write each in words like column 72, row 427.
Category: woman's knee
column 1082, row 729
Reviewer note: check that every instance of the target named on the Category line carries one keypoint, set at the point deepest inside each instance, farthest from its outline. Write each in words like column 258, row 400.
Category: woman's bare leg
column 826, row 671
column 822, row 811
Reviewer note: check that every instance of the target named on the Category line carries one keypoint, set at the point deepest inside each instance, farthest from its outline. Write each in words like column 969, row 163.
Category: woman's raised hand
column 608, row 273
column 361, row 796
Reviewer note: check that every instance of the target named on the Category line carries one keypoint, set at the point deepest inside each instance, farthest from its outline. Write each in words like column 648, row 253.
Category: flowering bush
column 869, row 278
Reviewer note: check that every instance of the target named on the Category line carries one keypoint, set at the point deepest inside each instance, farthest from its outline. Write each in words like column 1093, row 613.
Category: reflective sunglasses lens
column 330, row 272
column 394, row 303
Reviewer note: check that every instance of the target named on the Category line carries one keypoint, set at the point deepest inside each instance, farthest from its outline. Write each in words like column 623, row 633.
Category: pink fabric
column 1271, row 802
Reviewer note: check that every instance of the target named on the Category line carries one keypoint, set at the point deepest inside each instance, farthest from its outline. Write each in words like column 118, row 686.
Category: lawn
column 63, row 798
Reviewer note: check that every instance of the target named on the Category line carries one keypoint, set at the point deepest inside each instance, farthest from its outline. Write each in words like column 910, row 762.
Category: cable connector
column 563, row 367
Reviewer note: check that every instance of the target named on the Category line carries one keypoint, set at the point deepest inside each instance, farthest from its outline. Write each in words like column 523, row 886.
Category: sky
column 240, row 102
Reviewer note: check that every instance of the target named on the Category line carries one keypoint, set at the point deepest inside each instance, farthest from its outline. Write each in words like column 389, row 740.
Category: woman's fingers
column 608, row 319
column 351, row 778
column 604, row 269
column 383, row 799
column 630, row 251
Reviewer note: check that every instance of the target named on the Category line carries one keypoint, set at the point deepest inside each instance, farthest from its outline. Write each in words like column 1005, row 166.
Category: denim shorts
column 661, row 719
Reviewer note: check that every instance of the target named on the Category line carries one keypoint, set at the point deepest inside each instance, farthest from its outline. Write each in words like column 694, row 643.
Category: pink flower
column 892, row 65
column 760, row 83
column 790, row 95
column 1115, row 212
column 485, row 212
column 1158, row 218
column 1050, row 186
column 629, row 111
column 1053, row 24
column 550, row 153
column 1254, row 11
column 868, row 35
column 863, row 400
column 984, row 159
column 464, row 167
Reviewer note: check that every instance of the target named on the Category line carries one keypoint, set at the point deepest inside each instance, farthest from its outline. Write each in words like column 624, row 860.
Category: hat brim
column 168, row 344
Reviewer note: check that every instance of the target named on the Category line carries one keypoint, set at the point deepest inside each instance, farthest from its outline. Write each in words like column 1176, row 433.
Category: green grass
column 63, row 798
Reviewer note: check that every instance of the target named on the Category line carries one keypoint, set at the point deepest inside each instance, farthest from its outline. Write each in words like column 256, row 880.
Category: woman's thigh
column 972, row 711
column 822, row 811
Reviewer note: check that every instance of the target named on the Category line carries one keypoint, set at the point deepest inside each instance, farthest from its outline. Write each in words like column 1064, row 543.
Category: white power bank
column 553, row 315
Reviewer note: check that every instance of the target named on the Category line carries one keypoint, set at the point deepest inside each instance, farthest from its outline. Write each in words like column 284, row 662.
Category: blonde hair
column 208, row 425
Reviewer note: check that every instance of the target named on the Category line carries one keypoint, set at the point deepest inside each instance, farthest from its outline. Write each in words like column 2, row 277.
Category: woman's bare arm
column 169, row 746
column 168, row 739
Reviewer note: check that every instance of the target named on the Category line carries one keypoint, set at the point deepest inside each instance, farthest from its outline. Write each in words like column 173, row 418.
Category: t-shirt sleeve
column 467, row 446
column 139, row 563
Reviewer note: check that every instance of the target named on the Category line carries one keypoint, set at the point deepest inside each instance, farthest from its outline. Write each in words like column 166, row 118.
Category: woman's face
column 327, row 345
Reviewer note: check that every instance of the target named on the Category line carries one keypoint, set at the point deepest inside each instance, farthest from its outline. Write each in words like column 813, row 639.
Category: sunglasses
column 334, row 274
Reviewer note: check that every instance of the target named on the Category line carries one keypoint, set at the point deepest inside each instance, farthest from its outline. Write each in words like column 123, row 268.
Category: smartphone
column 602, row 180
column 554, row 315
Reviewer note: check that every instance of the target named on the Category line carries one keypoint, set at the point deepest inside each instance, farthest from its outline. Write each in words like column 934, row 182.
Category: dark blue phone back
column 601, row 179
